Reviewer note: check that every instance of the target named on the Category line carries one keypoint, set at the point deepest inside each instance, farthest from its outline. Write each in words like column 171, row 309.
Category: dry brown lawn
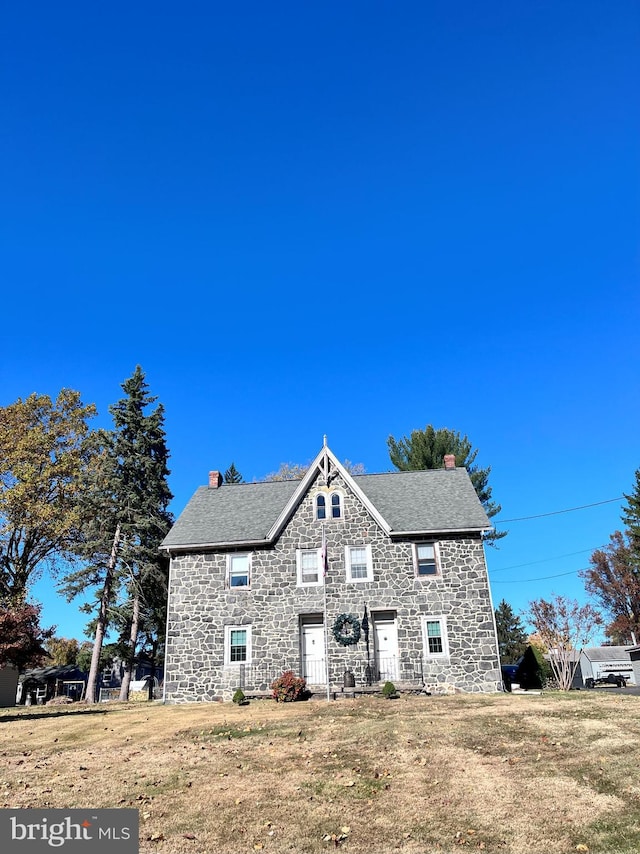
column 501, row 773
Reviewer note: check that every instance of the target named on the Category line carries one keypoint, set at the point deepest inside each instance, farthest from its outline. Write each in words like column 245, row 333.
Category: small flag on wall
column 323, row 553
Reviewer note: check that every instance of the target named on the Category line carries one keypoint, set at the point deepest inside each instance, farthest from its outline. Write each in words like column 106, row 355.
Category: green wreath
column 346, row 629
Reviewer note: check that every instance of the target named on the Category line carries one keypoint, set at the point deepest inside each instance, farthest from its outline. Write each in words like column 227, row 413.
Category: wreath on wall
column 346, row 629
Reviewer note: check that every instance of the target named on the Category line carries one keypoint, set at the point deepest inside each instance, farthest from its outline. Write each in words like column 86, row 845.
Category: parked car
column 509, row 672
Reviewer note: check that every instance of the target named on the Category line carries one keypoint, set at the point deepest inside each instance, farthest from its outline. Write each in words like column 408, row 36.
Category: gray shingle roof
column 410, row 502
column 607, row 653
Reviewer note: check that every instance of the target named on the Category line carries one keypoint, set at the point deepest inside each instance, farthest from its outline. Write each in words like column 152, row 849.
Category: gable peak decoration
column 327, row 465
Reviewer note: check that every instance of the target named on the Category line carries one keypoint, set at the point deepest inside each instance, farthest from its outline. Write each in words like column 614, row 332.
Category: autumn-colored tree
column 63, row 651
column 614, row 576
column 426, row 449
column 44, row 456
column 614, row 581
column 296, row 471
column 22, row 640
column 564, row 627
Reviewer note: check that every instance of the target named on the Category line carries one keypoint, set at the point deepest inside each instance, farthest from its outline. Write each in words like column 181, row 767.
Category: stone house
column 382, row 576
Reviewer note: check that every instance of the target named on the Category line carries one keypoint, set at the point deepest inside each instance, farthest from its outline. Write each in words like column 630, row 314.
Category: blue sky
column 351, row 219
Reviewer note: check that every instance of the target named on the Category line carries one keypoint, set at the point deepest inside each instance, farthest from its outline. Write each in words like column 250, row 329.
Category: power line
column 543, row 578
column 544, row 560
column 557, row 512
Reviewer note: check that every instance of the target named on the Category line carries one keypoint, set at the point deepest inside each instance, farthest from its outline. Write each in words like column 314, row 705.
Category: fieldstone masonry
column 275, row 607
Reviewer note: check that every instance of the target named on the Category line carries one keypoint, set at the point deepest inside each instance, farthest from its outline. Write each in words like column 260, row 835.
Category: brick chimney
column 215, row 479
column 449, row 461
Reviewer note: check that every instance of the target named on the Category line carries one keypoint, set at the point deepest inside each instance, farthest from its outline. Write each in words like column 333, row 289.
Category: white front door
column 386, row 641
column 313, row 655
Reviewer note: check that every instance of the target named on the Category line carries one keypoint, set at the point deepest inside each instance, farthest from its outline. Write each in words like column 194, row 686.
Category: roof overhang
column 199, row 547
column 438, row 532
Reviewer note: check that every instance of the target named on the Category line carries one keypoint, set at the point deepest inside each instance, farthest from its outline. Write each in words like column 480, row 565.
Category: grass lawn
column 499, row 773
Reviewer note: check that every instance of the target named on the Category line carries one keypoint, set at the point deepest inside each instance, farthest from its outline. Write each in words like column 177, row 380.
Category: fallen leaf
column 582, row 847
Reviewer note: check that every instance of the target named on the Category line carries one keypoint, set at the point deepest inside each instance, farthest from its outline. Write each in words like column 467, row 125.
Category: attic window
column 334, row 508
column 336, row 505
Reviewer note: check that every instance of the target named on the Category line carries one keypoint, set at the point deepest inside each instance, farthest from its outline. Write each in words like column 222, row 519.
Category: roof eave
column 195, row 547
column 431, row 532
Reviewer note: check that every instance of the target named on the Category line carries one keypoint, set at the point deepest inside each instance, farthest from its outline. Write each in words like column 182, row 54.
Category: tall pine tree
column 426, row 449
column 126, row 518
column 232, row 475
column 512, row 638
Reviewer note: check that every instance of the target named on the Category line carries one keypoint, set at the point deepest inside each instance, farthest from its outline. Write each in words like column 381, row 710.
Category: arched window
column 321, row 509
column 336, row 506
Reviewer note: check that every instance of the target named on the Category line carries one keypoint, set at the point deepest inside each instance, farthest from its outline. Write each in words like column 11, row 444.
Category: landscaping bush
column 239, row 698
column 389, row 691
column 288, row 687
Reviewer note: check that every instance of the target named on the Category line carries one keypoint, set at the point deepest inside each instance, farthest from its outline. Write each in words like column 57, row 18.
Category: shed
column 8, row 685
column 598, row 662
column 634, row 655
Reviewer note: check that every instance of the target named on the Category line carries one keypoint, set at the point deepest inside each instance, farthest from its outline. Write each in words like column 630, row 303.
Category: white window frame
column 347, row 563
column 230, row 572
column 442, row 620
column 328, row 505
column 336, row 494
column 436, row 557
column 227, row 645
column 301, row 583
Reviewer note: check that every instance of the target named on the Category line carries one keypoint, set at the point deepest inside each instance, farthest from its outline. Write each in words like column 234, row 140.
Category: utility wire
column 544, row 560
column 543, row 578
column 557, row 512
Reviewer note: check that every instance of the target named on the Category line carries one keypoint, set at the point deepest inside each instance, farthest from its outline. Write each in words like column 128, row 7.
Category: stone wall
column 200, row 606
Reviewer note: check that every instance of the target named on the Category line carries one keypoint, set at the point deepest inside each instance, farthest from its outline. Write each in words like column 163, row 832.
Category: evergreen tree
column 631, row 519
column 126, row 518
column 142, row 453
column 232, row 475
column 426, row 449
column 512, row 638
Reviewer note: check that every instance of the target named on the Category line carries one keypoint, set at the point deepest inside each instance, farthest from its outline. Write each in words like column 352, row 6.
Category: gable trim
column 321, row 463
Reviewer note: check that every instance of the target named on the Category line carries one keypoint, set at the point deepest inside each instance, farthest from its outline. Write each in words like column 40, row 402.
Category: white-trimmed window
column 328, row 505
column 238, row 570
column 426, row 559
column 359, row 564
column 309, row 567
column 237, row 645
column 434, row 635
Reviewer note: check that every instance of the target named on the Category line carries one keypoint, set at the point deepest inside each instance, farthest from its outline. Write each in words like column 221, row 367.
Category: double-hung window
column 426, row 559
column 434, row 632
column 237, row 645
column 359, row 563
column 239, row 570
column 309, row 567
